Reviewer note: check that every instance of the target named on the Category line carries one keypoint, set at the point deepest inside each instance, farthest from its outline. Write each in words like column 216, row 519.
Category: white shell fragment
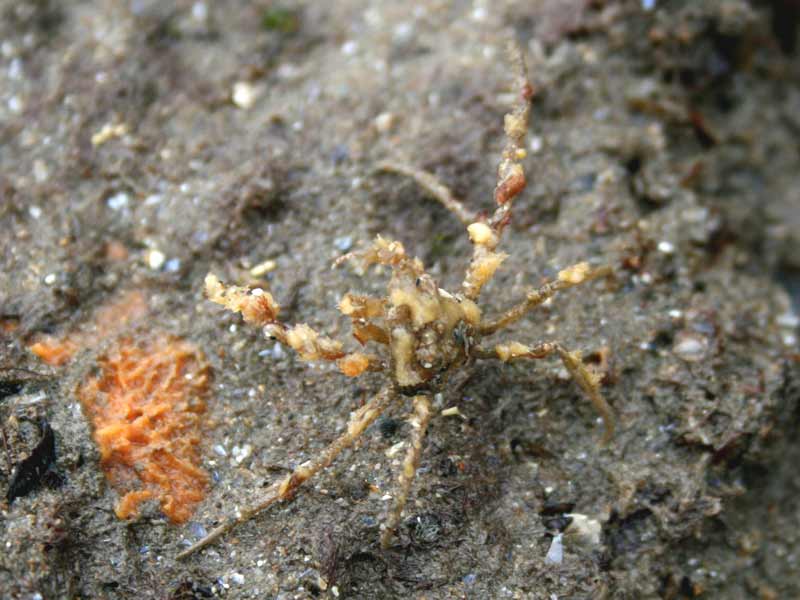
column 555, row 555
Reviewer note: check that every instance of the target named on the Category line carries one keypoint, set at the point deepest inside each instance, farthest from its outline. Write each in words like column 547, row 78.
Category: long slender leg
column 429, row 183
column 567, row 278
column 422, row 416
column 282, row 490
column 585, row 379
column 485, row 235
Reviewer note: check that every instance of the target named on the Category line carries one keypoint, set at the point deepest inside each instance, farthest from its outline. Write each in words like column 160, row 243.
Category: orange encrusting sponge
column 146, row 406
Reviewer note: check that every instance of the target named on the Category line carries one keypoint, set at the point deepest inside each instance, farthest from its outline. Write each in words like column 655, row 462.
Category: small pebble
column 198, row 531
column 15, row 69
column 384, row 122
column 349, row 48
column 15, row 104
column 690, row 348
column 240, row 453
column 219, row 450
column 243, row 95
column 666, row 247
column 479, row 14
column 403, row 32
column 40, row 172
column 199, row 11
column 263, row 268
column 237, row 578
column 117, row 201
column 155, row 259
column 343, row 243
column 34, row 211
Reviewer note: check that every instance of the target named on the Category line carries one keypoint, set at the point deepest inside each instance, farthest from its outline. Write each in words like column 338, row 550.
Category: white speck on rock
column 199, row 11
column 690, row 348
column 479, row 14
column 349, row 48
column 243, row 95
column 666, row 247
column 343, row 243
column 118, row 201
column 219, row 450
column 15, row 104
column 240, row 453
column 384, row 122
column 403, row 32
column 40, row 171
column 155, row 259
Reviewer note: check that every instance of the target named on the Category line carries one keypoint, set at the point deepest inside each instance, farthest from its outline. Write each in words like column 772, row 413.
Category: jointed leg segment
column 567, row 278
column 282, row 490
column 586, row 380
column 422, row 416
column 433, row 186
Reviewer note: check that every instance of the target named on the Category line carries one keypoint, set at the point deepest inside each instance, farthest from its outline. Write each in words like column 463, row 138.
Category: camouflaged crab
column 421, row 333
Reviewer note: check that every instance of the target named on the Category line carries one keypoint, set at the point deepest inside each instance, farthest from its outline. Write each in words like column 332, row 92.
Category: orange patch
column 54, row 351
column 146, row 406
column 108, row 320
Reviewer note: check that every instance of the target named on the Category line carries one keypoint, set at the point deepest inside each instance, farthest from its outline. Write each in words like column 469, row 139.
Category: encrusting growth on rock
column 421, row 333
column 146, row 406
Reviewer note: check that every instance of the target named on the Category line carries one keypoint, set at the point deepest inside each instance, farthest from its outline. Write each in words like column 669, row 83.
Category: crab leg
column 586, row 380
column 429, row 183
column 283, row 490
column 422, row 416
column 485, row 234
column 567, row 278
